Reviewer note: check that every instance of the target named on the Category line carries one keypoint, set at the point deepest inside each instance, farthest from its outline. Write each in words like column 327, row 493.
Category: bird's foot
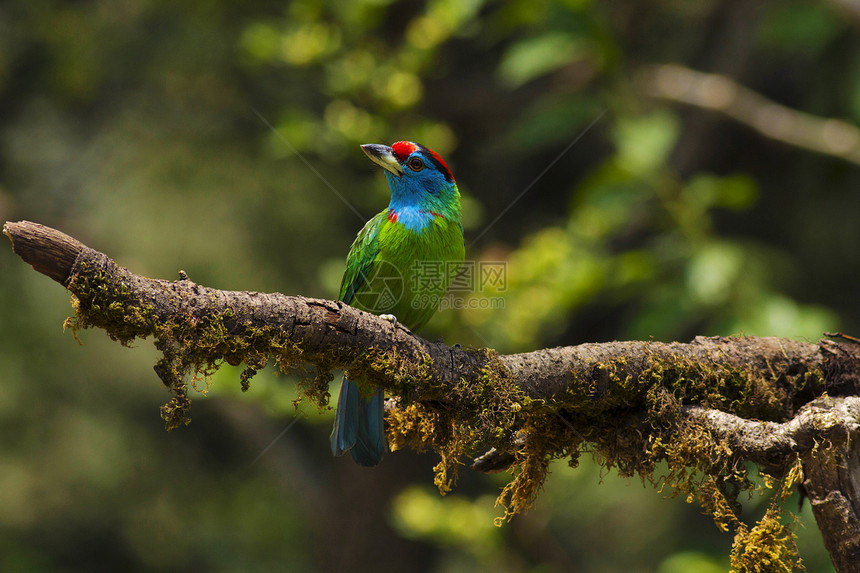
column 390, row 318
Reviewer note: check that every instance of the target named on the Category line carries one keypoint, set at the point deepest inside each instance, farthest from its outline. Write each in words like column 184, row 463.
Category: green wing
column 361, row 258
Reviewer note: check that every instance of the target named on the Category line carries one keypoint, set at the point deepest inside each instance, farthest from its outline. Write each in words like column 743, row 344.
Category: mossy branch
column 705, row 407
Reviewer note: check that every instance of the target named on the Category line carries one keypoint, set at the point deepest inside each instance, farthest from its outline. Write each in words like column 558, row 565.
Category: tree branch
column 769, row 444
column 822, row 437
column 320, row 327
column 710, row 404
column 719, row 93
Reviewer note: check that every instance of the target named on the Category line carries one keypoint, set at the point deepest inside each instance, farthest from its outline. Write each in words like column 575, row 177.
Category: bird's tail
column 358, row 425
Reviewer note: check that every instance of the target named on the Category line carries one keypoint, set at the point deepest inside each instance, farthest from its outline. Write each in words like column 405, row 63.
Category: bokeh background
column 222, row 138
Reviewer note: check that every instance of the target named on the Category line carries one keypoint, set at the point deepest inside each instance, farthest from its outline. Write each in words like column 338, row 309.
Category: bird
column 399, row 267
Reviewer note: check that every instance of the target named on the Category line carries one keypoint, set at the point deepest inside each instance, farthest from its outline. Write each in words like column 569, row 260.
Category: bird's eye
column 416, row 164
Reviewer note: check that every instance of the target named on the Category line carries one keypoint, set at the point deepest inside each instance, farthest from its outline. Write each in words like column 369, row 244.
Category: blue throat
column 411, row 217
column 417, row 201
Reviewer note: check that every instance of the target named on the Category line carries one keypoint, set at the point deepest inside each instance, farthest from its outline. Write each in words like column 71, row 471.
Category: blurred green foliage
column 136, row 127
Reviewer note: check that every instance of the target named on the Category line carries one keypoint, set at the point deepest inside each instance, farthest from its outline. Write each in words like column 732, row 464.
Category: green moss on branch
column 626, row 409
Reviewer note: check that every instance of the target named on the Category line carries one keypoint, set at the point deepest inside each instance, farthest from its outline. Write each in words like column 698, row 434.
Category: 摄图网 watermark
column 473, row 285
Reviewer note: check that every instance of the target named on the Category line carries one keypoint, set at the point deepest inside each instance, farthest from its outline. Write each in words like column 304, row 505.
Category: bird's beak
column 383, row 156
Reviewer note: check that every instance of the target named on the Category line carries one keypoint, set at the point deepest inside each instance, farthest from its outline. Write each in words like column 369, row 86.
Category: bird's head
column 417, row 177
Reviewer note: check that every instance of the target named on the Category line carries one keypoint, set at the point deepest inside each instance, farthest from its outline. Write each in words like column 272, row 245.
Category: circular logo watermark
column 381, row 290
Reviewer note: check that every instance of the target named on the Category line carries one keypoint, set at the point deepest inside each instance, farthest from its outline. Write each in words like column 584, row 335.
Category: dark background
column 171, row 136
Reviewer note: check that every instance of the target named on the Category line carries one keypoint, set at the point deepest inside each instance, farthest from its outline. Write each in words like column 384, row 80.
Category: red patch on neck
column 392, row 215
column 435, row 214
column 402, row 149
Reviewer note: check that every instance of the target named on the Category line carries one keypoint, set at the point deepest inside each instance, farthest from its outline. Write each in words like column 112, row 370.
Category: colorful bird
column 399, row 266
